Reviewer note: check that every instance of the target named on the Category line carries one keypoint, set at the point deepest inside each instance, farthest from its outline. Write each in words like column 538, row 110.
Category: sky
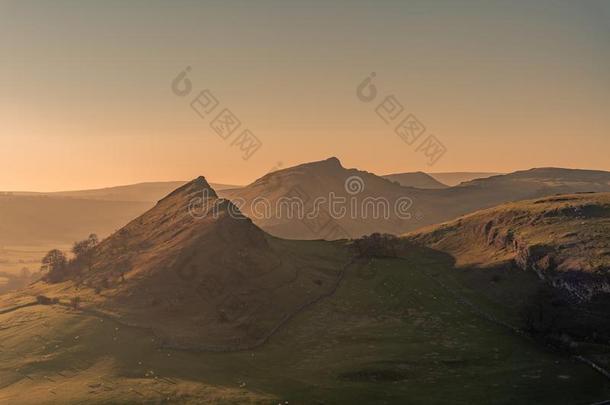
column 87, row 97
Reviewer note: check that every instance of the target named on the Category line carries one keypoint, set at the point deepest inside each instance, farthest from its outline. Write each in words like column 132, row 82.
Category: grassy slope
column 390, row 334
column 573, row 230
column 563, row 238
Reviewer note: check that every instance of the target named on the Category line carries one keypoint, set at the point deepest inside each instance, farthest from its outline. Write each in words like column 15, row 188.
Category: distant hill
column 141, row 192
column 455, row 178
column 550, row 235
column 318, row 180
column 444, row 204
column 551, row 176
column 526, row 184
column 43, row 220
column 60, row 219
column 415, row 179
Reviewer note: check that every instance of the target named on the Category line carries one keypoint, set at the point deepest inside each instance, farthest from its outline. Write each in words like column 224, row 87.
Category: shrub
column 43, row 300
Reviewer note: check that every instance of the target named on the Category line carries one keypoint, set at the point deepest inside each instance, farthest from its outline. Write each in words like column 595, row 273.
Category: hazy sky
column 86, row 99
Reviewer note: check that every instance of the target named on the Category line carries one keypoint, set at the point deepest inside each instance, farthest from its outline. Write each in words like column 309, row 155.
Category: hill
column 407, row 208
column 140, row 192
column 563, row 241
column 297, row 202
column 561, row 233
column 454, row 178
column 522, row 185
column 415, row 179
column 31, row 223
column 547, row 177
column 186, row 271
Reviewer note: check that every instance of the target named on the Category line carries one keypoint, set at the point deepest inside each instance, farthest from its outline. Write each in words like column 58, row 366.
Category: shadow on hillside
column 551, row 315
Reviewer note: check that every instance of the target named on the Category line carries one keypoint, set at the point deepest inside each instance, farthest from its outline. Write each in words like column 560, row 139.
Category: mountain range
column 60, row 218
column 383, row 205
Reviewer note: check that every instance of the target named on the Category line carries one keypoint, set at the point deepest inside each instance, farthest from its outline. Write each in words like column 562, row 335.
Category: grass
column 388, row 335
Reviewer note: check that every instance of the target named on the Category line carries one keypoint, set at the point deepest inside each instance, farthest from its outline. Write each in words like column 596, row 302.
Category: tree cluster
column 57, row 267
column 377, row 245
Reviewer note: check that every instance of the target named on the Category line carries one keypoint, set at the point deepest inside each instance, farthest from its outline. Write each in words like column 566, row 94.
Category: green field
column 390, row 334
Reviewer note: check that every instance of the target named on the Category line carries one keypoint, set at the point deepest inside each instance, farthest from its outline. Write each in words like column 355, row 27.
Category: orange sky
column 86, row 96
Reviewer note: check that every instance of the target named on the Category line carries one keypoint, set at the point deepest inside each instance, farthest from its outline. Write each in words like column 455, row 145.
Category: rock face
column 564, row 239
column 201, row 275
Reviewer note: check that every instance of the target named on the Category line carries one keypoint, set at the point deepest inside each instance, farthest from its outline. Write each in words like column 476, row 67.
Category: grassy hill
column 32, row 223
column 559, row 234
column 563, row 242
column 189, row 277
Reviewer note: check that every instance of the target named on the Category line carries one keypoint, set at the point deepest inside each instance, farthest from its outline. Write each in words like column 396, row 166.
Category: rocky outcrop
column 547, row 261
